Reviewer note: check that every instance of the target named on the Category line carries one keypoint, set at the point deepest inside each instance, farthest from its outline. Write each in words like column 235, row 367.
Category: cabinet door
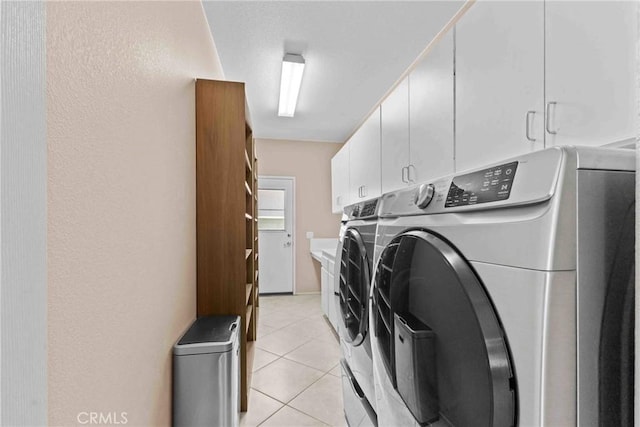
column 591, row 71
column 340, row 180
column 333, row 302
column 431, row 113
column 395, row 138
column 364, row 160
column 324, row 290
column 499, row 82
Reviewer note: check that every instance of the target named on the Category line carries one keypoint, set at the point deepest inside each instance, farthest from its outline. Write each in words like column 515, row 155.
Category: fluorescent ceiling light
column 290, row 81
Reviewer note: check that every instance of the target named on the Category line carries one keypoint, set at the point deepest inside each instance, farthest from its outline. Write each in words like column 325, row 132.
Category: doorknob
column 287, row 244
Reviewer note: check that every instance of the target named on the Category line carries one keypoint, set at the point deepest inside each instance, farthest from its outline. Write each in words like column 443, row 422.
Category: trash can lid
column 210, row 334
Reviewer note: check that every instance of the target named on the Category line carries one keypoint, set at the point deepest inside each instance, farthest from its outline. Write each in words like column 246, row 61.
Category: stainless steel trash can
column 206, row 373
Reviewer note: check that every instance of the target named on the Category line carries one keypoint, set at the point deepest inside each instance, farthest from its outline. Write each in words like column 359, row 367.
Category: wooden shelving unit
column 226, row 210
column 256, row 287
column 251, row 204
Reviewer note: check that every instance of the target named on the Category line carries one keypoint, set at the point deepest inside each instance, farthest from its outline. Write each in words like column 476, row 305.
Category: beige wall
column 310, row 164
column 121, row 201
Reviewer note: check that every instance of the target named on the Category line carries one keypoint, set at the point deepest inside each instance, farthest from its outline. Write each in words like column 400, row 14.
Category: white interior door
column 275, row 231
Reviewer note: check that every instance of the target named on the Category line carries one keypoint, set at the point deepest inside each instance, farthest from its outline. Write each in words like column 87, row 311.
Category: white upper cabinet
column 364, row 160
column 417, row 122
column 431, row 114
column 395, row 138
column 591, row 71
column 511, row 78
column 340, row 180
column 499, row 82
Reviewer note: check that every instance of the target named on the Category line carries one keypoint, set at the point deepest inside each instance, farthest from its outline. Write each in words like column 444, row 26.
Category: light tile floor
column 296, row 373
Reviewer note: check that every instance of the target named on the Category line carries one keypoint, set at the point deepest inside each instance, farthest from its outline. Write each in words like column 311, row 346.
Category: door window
column 271, row 213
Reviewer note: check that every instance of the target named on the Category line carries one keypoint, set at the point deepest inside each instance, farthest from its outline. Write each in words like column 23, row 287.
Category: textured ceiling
column 354, row 51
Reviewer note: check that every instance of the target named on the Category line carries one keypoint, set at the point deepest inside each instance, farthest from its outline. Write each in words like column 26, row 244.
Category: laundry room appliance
column 503, row 296
column 353, row 275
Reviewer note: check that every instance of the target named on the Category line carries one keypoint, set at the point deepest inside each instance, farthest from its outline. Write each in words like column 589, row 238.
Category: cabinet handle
column 403, row 171
column 530, row 114
column 409, row 173
column 360, row 191
column 364, row 191
column 548, row 118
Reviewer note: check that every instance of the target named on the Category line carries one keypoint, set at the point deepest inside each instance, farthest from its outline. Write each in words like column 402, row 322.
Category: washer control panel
column 424, row 195
column 362, row 210
column 488, row 185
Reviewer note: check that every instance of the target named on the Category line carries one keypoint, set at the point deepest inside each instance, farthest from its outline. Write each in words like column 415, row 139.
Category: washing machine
column 504, row 296
column 353, row 276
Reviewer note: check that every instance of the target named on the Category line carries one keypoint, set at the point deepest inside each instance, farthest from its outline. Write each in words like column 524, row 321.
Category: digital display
column 369, row 208
column 488, row 185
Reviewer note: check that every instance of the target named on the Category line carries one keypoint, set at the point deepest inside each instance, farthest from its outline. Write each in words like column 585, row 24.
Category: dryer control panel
column 491, row 187
column 487, row 185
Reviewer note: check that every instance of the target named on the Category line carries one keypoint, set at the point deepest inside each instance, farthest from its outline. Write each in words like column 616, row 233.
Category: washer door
column 440, row 337
column 616, row 353
column 354, row 287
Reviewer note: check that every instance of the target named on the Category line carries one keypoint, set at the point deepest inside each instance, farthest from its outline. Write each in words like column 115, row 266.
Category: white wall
column 310, row 163
column 23, row 196
column 121, row 202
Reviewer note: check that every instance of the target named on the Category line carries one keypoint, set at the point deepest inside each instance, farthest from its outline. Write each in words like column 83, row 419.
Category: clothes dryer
column 503, row 296
column 353, row 274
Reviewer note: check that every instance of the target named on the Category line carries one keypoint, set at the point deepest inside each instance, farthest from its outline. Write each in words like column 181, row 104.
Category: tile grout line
column 291, row 407
column 312, row 367
column 282, row 311
column 300, row 410
column 301, row 363
column 290, row 400
column 276, row 329
column 293, row 349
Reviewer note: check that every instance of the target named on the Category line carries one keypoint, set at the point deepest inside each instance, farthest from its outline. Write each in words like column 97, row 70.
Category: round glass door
column 354, row 287
column 440, row 337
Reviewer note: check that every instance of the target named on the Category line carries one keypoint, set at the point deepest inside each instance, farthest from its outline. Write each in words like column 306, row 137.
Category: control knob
column 424, row 195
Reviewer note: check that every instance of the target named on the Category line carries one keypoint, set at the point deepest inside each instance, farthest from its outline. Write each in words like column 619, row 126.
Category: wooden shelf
column 249, row 289
column 225, row 160
column 250, row 356
column 248, row 316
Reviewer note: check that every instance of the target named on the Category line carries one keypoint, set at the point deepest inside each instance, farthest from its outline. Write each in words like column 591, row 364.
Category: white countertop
column 317, row 255
column 323, row 248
